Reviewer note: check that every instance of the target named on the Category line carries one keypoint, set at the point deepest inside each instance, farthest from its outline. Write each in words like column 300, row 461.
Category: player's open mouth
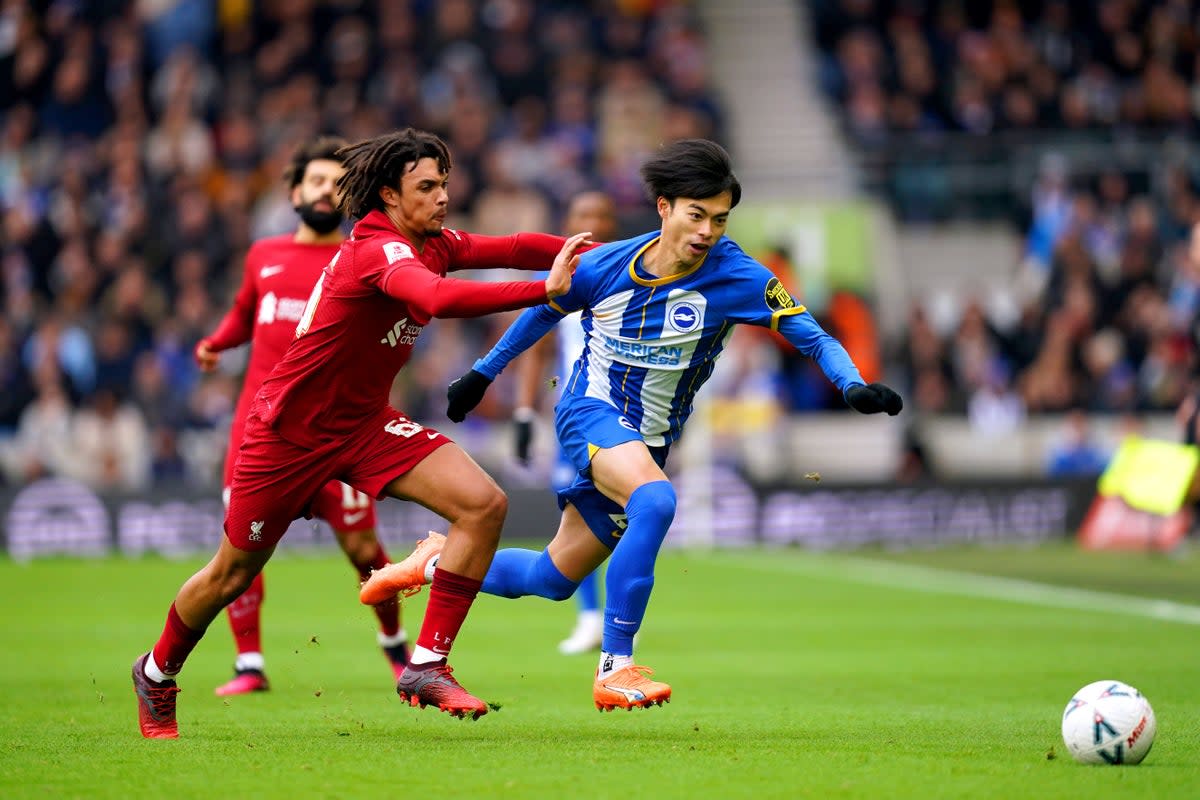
column 698, row 249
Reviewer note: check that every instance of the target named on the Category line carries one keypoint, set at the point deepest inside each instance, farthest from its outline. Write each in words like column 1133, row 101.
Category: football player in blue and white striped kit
column 657, row 310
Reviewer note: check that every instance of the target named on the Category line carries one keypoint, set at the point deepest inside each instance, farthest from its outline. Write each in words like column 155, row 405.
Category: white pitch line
column 945, row 581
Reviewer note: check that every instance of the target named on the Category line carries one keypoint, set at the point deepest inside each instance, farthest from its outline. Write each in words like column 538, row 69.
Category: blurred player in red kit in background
column 322, row 413
column 277, row 279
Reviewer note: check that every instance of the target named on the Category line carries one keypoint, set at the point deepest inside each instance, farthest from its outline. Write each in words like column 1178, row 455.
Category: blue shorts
column 585, row 425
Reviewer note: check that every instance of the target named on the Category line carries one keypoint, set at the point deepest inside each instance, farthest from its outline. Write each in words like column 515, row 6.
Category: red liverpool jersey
column 367, row 310
column 278, row 276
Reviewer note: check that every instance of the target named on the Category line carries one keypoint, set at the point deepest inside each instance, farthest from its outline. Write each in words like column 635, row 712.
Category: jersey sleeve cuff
column 484, row 368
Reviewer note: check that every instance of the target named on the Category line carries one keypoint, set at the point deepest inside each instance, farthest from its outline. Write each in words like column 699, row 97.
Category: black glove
column 522, row 437
column 873, row 398
column 465, row 393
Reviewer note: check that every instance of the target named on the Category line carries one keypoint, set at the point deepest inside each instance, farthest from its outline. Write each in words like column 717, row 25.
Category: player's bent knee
column 655, row 499
column 491, row 509
column 554, row 585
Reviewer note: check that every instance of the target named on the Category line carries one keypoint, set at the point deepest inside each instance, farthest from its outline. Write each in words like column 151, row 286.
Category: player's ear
column 664, row 208
column 389, row 196
column 294, row 195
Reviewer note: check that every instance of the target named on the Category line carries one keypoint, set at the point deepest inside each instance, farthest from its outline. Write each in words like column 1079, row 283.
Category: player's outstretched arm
column 532, row 367
column 432, row 296
column 466, row 392
column 807, row 336
column 532, row 251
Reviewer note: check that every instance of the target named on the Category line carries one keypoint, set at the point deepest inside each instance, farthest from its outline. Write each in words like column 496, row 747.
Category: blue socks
column 650, row 510
column 517, row 573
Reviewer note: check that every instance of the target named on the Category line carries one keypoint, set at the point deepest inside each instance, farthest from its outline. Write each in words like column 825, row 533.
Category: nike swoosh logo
column 620, row 621
column 433, row 434
column 267, row 272
column 350, row 519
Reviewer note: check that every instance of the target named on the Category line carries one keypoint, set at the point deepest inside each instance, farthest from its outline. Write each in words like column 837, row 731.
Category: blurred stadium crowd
column 1103, row 315
column 981, row 67
column 142, row 144
column 142, row 148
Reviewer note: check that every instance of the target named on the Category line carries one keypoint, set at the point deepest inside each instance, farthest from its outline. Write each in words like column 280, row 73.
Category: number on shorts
column 403, row 427
column 353, row 499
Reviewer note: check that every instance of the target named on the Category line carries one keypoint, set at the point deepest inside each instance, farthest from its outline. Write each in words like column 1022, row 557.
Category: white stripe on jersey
column 606, row 322
column 666, row 353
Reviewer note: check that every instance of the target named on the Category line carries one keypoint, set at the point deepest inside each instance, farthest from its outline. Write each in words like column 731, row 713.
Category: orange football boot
column 629, row 687
column 404, row 578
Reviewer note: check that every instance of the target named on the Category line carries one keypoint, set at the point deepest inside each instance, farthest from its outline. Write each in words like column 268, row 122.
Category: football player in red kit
column 322, row 414
column 278, row 276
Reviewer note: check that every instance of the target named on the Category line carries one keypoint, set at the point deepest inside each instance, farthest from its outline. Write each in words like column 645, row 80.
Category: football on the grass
column 1108, row 722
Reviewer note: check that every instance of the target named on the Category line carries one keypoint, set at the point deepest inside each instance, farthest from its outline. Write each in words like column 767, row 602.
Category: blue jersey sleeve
column 536, row 322
column 756, row 296
column 761, row 299
column 807, row 336
column 523, row 334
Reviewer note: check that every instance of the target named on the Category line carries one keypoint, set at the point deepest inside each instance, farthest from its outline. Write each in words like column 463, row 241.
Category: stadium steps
column 785, row 140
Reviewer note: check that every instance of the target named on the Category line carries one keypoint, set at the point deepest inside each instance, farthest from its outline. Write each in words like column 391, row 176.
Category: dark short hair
column 382, row 161
column 322, row 148
column 694, row 168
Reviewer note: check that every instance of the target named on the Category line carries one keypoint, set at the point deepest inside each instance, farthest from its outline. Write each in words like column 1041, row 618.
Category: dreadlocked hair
column 322, row 148
column 375, row 163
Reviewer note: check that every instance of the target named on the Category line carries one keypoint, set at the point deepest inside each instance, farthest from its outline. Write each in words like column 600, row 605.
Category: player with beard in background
column 277, row 278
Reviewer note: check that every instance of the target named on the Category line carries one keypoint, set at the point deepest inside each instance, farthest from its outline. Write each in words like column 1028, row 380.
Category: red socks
column 245, row 617
column 389, row 612
column 450, row 599
column 175, row 644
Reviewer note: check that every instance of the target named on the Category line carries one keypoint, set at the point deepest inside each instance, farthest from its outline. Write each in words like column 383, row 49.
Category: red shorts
column 276, row 481
column 346, row 509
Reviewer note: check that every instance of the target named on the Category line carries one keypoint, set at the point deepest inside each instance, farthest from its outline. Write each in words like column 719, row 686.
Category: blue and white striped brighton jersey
column 650, row 343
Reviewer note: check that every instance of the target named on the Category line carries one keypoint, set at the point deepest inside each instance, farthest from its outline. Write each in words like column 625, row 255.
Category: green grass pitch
column 795, row 675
